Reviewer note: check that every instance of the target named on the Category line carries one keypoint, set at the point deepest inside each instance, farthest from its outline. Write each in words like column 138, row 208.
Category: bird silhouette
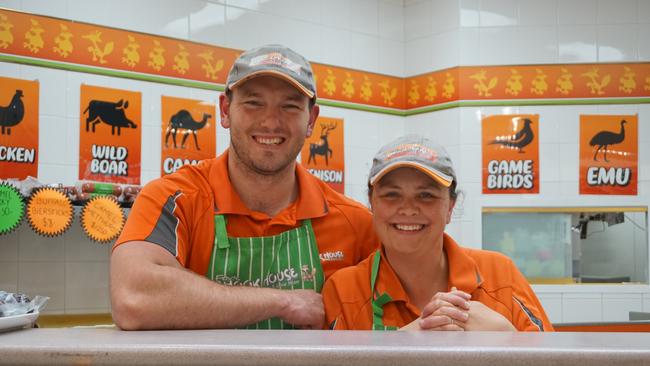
column 606, row 138
column 521, row 139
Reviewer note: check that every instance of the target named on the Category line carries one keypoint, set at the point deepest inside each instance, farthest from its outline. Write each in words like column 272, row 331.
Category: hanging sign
column 609, row 147
column 49, row 212
column 110, row 128
column 12, row 208
column 102, row 218
column 18, row 128
column 510, row 154
column 323, row 153
column 188, row 132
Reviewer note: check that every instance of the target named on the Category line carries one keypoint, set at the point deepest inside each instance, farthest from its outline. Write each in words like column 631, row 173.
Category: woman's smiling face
column 410, row 210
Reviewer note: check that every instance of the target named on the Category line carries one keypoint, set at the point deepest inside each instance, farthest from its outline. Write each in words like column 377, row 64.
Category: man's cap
column 273, row 60
column 417, row 152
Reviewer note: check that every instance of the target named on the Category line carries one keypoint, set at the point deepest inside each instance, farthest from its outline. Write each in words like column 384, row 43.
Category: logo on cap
column 275, row 58
column 412, row 150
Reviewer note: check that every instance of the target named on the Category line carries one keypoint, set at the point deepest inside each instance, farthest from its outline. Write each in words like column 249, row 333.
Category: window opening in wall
column 575, row 245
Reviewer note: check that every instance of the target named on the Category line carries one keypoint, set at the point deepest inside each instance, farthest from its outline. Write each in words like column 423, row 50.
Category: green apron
column 378, row 301
column 287, row 261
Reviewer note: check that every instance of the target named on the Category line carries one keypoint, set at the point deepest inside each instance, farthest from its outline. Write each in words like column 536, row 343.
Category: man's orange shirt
column 490, row 277
column 177, row 213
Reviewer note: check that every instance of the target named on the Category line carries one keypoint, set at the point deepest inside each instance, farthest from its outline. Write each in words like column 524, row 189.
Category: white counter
column 240, row 347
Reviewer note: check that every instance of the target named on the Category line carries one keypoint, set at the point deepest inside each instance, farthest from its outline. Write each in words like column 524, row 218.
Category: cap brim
column 439, row 177
column 276, row 74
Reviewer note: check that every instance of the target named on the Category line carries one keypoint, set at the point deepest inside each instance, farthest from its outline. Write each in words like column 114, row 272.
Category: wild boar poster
column 189, row 132
column 19, row 128
column 109, row 135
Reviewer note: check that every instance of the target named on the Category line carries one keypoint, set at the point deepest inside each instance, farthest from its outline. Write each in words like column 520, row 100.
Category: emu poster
column 511, row 154
column 322, row 153
column 19, row 125
column 188, row 132
column 608, row 154
column 109, row 135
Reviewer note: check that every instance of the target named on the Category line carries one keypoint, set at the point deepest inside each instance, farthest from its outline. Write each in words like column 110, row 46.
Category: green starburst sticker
column 12, row 208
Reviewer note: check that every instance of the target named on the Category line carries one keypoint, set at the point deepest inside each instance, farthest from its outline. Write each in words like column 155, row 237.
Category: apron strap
column 220, row 234
column 378, row 302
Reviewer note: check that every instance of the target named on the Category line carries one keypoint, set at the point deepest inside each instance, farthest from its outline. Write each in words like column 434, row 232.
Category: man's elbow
column 127, row 313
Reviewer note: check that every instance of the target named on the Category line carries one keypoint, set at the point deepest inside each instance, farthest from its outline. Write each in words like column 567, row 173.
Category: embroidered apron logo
column 287, row 277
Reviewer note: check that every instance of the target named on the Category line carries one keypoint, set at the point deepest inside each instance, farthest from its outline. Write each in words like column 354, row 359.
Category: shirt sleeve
column 334, row 318
column 527, row 312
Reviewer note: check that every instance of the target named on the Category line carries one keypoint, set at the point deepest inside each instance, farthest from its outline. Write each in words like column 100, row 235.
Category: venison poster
column 322, row 153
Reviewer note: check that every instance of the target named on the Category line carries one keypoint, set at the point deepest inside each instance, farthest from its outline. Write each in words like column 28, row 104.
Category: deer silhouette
column 323, row 147
column 13, row 113
column 182, row 120
column 606, row 138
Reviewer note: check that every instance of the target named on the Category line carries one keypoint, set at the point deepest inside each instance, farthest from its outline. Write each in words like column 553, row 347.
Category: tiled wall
column 401, row 38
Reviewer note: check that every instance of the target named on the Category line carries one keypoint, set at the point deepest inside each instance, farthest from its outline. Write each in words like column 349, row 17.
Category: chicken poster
column 188, row 132
column 109, row 135
column 510, row 154
column 18, row 128
column 322, row 153
column 608, row 154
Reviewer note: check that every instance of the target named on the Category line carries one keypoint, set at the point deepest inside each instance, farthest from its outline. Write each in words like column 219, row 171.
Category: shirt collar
column 311, row 202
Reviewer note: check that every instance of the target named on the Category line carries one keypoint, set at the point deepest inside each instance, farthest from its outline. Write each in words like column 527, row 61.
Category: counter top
column 110, row 346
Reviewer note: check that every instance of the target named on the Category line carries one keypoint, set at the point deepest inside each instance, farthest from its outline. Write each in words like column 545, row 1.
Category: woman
column 421, row 278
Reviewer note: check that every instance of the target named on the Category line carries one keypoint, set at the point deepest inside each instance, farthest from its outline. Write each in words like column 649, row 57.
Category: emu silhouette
column 322, row 148
column 110, row 113
column 521, row 139
column 182, row 120
column 606, row 138
column 12, row 114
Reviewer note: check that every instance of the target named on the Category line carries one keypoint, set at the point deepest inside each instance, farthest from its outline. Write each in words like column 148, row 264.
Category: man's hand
column 304, row 309
column 482, row 317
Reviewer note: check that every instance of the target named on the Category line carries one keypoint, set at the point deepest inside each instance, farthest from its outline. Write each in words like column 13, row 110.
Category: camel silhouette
column 12, row 114
column 606, row 138
column 521, row 139
column 182, row 120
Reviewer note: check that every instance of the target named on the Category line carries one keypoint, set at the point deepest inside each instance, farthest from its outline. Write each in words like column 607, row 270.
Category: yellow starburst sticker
column 49, row 212
column 102, row 219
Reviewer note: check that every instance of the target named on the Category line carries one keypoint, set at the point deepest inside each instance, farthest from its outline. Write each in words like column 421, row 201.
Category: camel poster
column 109, row 135
column 609, row 147
column 510, row 153
column 19, row 128
column 188, row 132
column 322, row 153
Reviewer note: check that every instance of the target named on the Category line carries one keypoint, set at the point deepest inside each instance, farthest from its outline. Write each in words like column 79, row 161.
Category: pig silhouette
column 110, row 113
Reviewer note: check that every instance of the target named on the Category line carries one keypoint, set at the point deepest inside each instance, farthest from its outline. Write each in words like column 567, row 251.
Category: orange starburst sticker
column 49, row 212
column 102, row 218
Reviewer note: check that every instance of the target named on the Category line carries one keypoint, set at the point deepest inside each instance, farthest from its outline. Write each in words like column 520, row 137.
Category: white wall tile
column 239, row 23
column 9, row 70
column 535, row 44
column 549, row 162
column 469, row 46
column 78, row 248
column 642, row 39
column 51, row 101
column 51, row 8
column 295, row 34
column 391, row 57
column 418, row 56
column 582, row 308
column 357, row 162
column 304, row 10
column 9, row 244
column 643, row 161
column 52, row 136
column 577, row 12
column 335, row 46
column 568, row 118
column 364, row 52
column 470, row 163
column 617, row 307
column 569, row 162
column 8, row 275
column 470, row 125
column 445, row 48
column 643, row 12
column 577, row 43
column 498, row 13
column 86, row 285
column 11, row 4
column 644, row 128
column 552, row 304
column 33, row 247
column 617, row 43
column 445, row 15
column 533, row 12
column 50, row 173
column 498, row 46
column 364, row 16
column 469, row 13
column 336, row 13
column 208, row 24
column 246, row 4
column 617, row 12
column 45, row 279
column 417, row 20
column 391, row 20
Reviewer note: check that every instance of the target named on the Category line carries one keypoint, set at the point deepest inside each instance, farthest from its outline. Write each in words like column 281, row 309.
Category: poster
column 18, row 128
column 609, row 147
column 510, row 154
column 323, row 152
column 188, row 132
column 110, row 129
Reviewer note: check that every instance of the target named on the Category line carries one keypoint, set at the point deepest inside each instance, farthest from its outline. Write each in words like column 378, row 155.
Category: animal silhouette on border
column 13, row 113
column 323, row 147
column 605, row 138
column 110, row 113
column 520, row 140
column 183, row 120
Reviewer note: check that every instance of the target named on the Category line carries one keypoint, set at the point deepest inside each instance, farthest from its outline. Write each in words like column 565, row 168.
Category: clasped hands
column 455, row 311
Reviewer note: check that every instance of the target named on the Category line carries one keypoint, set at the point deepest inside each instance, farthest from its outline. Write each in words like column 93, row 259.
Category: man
column 248, row 238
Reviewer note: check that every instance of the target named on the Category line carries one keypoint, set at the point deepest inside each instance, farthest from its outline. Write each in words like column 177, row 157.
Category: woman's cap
column 273, row 60
column 417, row 152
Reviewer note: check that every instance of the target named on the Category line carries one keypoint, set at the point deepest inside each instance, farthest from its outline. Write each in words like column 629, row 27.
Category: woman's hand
column 445, row 311
column 482, row 317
